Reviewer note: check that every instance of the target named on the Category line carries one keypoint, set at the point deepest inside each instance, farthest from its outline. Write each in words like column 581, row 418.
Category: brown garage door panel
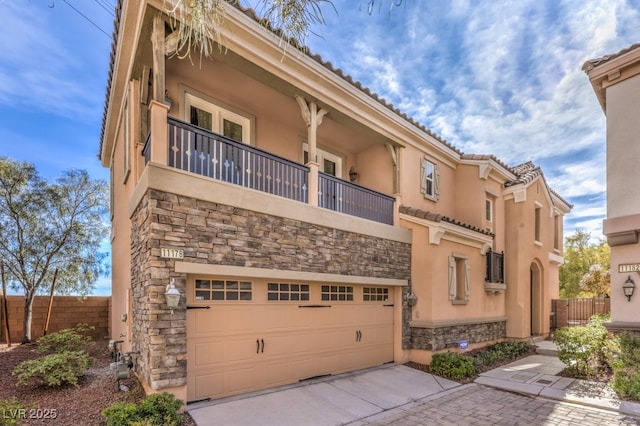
column 241, row 347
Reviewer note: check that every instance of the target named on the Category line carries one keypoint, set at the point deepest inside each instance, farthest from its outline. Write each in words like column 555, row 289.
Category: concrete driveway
column 335, row 400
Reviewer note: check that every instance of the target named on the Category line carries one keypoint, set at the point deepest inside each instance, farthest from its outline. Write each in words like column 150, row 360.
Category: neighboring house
column 309, row 226
column 616, row 82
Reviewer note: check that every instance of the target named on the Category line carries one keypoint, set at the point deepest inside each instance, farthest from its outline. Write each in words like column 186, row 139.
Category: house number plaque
column 629, row 267
column 171, row 253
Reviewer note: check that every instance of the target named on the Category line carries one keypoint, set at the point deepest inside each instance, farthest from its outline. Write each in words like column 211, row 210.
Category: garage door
column 246, row 335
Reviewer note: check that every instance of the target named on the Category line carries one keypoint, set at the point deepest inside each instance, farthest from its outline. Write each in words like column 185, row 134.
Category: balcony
column 198, row 151
column 494, row 279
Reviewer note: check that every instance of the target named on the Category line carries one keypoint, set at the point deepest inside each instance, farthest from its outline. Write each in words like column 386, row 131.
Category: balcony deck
column 199, row 151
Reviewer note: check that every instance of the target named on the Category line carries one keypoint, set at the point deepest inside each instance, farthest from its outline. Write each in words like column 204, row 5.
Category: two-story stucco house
column 616, row 81
column 310, row 227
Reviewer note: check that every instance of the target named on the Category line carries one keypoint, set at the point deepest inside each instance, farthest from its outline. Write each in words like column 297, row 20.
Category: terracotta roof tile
column 485, row 157
column 525, row 172
column 112, row 62
column 592, row 63
column 436, row 217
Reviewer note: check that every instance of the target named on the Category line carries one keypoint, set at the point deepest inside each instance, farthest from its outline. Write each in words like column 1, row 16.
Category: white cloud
column 496, row 78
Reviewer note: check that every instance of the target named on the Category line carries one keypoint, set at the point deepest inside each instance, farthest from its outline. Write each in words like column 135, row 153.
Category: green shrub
column 452, row 365
column 161, row 409
column 626, row 367
column 498, row 352
column 69, row 339
column 12, row 412
column 120, row 414
column 584, row 349
column 54, row 370
column 157, row 409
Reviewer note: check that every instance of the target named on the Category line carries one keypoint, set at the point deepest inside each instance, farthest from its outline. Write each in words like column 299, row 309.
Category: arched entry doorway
column 536, row 299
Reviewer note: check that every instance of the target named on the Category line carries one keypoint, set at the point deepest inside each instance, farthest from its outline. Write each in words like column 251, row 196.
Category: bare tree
column 47, row 226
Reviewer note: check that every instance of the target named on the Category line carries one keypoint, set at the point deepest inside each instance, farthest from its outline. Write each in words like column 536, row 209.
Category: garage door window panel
column 337, row 293
column 375, row 294
column 221, row 290
column 287, row 292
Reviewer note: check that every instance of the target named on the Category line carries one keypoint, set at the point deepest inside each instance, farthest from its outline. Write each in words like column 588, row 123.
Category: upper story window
column 217, row 119
column 557, row 225
column 459, row 287
column 330, row 164
column 537, row 223
column 488, row 210
column 429, row 179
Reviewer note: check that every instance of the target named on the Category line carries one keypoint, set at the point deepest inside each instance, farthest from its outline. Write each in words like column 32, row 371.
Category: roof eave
column 609, row 69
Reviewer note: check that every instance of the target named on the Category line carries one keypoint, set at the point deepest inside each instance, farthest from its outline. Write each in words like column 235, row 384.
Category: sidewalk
column 538, row 375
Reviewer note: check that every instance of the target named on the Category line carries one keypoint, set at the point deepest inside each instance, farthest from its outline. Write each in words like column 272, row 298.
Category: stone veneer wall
column 437, row 338
column 220, row 234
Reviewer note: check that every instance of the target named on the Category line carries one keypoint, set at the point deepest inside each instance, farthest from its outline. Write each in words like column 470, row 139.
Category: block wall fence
column 67, row 311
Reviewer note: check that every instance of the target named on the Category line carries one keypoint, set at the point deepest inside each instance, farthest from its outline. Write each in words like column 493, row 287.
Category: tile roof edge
column 436, row 217
column 596, row 62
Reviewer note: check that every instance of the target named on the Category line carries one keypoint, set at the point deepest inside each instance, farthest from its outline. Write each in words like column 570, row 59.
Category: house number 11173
column 171, row 253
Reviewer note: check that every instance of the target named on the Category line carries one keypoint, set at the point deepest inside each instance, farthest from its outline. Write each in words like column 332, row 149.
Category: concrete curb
column 566, row 395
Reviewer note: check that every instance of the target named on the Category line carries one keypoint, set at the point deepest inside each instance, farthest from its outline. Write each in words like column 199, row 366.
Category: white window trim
column 537, row 224
column 488, row 201
column 435, row 195
column 453, row 279
column 322, row 155
column 219, row 112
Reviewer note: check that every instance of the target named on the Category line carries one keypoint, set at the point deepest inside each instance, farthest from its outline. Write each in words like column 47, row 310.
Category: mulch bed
column 425, row 368
column 72, row 405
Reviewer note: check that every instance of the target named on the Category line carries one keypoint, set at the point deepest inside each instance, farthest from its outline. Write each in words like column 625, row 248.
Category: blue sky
column 489, row 76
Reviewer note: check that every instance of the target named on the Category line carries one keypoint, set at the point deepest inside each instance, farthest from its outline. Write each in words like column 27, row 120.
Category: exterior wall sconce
column 353, row 175
column 411, row 299
column 172, row 296
column 167, row 100
column 629, row 287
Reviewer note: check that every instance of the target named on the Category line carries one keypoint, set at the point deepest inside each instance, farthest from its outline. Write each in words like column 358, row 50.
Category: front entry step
column 546, row 347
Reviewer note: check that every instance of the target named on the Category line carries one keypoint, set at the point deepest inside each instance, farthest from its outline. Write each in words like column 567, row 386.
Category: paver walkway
column 478, row 405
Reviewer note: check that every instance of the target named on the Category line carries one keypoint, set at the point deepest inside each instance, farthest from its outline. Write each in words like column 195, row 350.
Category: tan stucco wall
column 410, row 182
column 121, row 224
column 522, row 251
column 430, row 281
column 621, row 309
column 623, row 193
column 623, row 149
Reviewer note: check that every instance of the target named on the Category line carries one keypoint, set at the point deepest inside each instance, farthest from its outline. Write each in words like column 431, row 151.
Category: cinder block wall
column 67, row 311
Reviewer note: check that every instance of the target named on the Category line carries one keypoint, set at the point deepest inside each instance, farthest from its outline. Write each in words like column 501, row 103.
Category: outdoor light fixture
column 172, row 296
column 167, row 100
column 353, row 175
column 628, row 287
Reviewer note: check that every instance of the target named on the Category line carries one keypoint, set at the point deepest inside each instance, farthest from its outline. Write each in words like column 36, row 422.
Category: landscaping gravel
column 73, row 405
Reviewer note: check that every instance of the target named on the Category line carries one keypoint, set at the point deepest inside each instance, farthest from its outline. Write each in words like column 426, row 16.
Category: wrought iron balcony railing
column 346, row 197
column 495, row 267
column 196, row 150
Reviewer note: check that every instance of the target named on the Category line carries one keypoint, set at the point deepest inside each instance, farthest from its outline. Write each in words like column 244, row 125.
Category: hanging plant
column 293, row 19
column 198, row 24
